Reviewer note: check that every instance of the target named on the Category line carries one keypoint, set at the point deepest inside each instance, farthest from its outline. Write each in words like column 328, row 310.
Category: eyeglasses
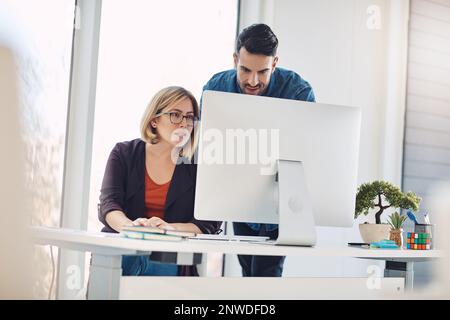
column 177, row 118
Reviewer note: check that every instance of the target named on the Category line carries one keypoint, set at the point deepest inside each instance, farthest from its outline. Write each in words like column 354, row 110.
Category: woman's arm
column 117, row 220
column 112, row 192
column 190, row 227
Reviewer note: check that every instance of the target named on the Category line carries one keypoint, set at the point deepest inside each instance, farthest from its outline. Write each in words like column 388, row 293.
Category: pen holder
column 426, row 229
column 421, row 238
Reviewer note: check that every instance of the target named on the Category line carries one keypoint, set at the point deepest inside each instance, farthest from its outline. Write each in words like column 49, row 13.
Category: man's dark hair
column 258, row 39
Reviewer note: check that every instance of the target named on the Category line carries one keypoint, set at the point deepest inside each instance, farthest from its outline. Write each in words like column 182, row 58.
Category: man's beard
column 258, row 90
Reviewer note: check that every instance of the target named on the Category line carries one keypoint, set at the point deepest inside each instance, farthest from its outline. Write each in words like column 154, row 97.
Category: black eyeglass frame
column 194, row 121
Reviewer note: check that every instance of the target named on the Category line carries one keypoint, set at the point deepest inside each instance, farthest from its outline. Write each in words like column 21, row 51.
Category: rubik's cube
column 418, row 241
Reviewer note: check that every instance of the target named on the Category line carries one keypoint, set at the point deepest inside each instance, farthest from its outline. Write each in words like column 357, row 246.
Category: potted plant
column 383, row 195
column 396, row 221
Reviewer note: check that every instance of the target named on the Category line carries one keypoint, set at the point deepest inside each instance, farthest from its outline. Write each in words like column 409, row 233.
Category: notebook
column 152, row 233
column 150, row 236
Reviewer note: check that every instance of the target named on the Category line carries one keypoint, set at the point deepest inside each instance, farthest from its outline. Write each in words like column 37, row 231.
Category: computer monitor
column 271, row 160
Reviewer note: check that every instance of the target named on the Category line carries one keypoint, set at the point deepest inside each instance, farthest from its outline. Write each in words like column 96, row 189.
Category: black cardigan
column 123, row 188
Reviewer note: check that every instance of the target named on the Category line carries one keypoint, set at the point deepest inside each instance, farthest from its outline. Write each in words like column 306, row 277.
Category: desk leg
column 403, row 269
column 104, row 277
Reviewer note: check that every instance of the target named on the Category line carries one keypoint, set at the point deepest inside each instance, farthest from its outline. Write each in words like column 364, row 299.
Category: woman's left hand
column 159, row 223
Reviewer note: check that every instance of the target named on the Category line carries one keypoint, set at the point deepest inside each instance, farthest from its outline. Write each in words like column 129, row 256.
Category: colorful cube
column 418, row 241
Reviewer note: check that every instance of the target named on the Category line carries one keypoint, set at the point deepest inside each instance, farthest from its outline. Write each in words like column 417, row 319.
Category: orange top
column 155, row 197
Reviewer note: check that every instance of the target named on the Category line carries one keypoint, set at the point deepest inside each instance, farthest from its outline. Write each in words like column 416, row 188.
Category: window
column 427, row 134
column 40, row 34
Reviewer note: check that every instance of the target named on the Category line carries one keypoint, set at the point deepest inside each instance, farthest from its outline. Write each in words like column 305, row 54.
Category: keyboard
column 226, row 237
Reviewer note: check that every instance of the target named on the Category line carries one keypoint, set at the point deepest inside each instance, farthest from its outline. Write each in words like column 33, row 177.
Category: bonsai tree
column 371, row 195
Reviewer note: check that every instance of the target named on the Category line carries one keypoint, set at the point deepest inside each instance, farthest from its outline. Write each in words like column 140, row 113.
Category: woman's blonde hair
column 163, row 100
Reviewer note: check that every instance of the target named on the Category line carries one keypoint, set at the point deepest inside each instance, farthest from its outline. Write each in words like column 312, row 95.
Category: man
column 255, row 73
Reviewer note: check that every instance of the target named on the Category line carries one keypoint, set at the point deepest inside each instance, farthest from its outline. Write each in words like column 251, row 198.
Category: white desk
column 107, row 250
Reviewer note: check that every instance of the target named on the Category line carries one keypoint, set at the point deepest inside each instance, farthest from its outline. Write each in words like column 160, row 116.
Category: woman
column 151, row 181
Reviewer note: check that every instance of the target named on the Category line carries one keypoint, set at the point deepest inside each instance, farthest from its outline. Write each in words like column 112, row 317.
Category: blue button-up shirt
column 283, row 83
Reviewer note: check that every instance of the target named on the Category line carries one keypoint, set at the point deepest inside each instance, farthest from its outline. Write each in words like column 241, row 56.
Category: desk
column 107, row 250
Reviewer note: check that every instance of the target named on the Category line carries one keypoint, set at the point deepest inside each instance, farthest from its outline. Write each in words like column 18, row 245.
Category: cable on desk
column 53, row 273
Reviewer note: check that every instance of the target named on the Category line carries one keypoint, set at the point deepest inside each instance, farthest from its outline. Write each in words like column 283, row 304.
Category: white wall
column 351, row 58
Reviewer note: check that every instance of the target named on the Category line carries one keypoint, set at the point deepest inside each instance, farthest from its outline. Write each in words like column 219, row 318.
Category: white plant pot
column 374, row 232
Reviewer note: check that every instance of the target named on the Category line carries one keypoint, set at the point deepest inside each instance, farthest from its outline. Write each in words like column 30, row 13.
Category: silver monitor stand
column 296, row 220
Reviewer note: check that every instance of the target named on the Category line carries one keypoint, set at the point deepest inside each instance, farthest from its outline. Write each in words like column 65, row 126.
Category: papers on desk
column 229, row 237
column 384, row 244
column 359, row 245
column 150, row 233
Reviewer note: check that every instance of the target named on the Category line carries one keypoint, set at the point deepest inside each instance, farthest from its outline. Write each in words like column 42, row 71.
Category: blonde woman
column 151, row 181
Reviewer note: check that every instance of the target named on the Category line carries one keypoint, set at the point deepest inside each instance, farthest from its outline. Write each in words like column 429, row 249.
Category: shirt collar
column 237, row 82
column 272, row 83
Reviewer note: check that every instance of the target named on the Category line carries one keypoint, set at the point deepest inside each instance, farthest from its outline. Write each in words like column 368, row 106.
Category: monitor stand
column 296, row 221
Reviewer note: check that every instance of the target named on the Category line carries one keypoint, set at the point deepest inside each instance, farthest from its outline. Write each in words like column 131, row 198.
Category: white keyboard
column 226, row 237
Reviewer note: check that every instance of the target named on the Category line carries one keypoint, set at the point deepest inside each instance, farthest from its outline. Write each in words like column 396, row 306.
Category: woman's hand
column 140, row 222
column 153, row 222
column 159, row 223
